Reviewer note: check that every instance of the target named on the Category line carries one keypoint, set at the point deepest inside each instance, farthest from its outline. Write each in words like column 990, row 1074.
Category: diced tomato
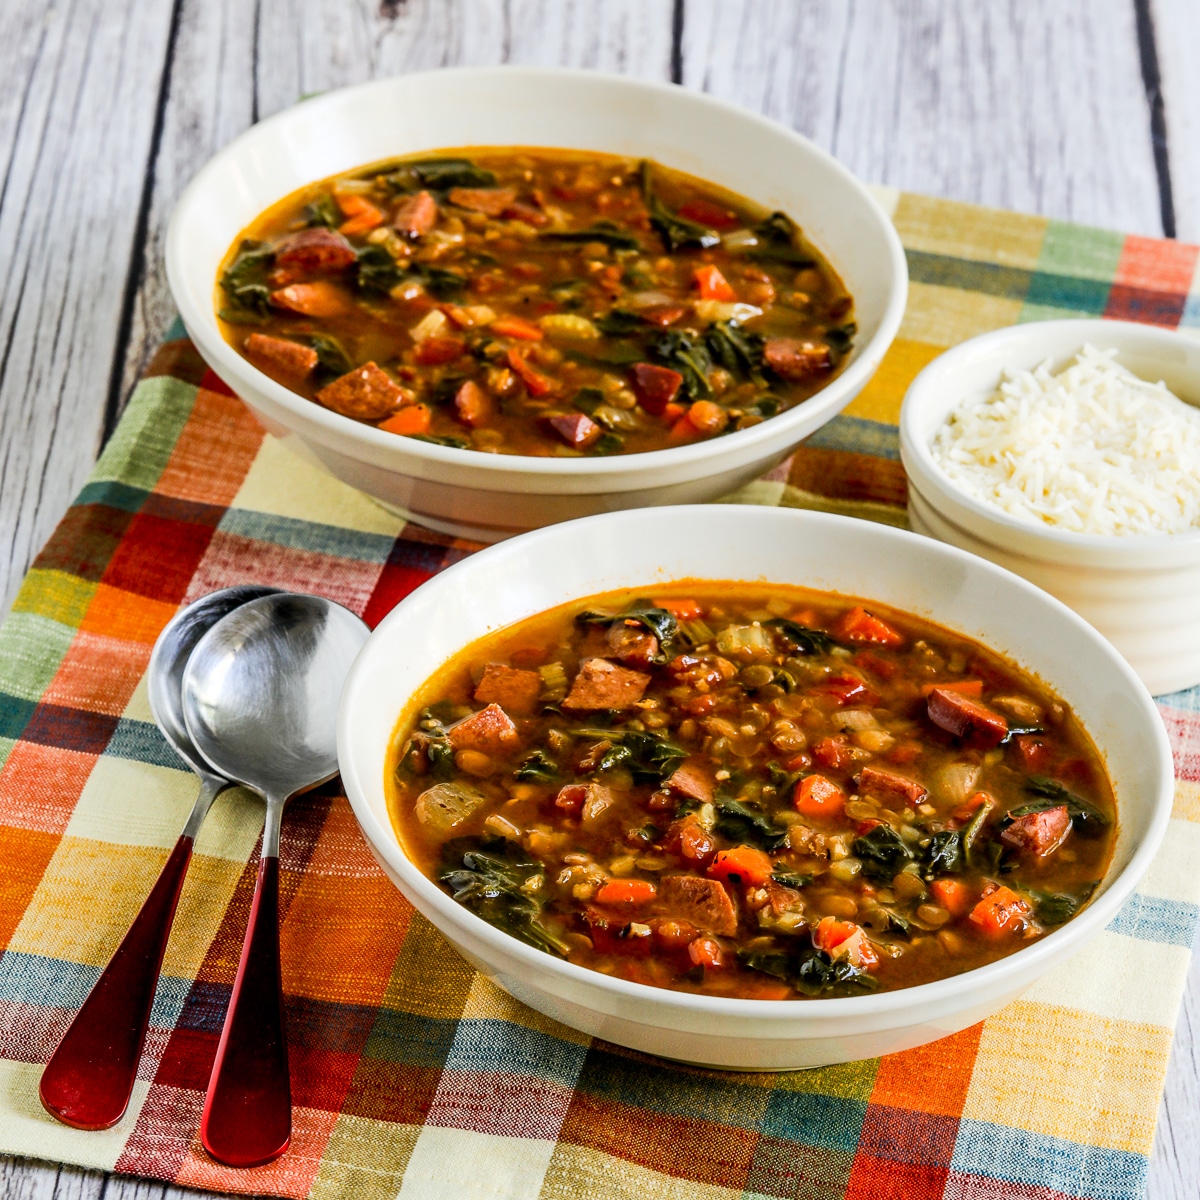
column 847, row 689
column 705, row 212
column 628, row 893
column 690, row 840
column 509, row 326
column 536, row 383
column 816, row 796
column 434, row 351
column 415, row 418
column 1000, row 911
column 844, row 939
column 655, row 387
column 964, row 687
column 706, row 952
column 952, row 894
column 570, row 798
column 700, row 706
column 877, row 666
column 858, row 625
column 833, row 752
column 713, row 285
column 1033, row 751
column 743, row 862
column 681, row 610
column 609, row 935
column 672, row 934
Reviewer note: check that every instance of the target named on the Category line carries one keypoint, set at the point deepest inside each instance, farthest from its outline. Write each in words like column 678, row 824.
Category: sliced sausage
column 601, row 684
column 489, row 201
column 887, row 783
column 280, row 356
column 703, row 902
column 966, row 718
column 490, row 730
column 313, row 252
column 516, row 691
column 631, row 642
column 794, row 360
column 1039, row 833
column 692, row 779
column 416, row 215
column 367, row 393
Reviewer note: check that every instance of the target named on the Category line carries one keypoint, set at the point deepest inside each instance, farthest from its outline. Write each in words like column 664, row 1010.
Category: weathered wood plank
column 1035, row 107
column 77, row 108
column 1176, row 25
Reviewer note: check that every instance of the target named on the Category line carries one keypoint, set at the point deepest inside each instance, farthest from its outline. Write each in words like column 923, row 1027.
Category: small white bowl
column 1139, row 591
column 530, row 574
column 490, row 496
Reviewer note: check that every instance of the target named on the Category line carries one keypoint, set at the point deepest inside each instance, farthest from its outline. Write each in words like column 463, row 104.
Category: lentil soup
column 535, row 302
column 751, row 791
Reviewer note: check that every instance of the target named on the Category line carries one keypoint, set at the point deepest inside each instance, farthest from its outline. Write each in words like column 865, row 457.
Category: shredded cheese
column 1092, row 449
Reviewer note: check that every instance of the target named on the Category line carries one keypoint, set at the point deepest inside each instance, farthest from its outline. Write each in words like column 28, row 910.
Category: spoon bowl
column 260, row 700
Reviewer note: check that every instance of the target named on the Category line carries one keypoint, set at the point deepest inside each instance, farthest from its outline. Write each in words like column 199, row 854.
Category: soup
column 535, row 302
column 751, row 791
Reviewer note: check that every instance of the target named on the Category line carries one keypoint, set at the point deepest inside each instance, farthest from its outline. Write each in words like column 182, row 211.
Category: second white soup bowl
column 526, row 576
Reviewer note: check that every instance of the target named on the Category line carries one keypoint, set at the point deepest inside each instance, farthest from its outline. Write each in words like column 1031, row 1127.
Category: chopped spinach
column 747, row 824
column 619, row 322
column 322, row 211
column 331, row 358
column 739, row 352
column 438, row 174
column 799, row 638
column 808, row 969
column 377, row 271
column 840, row 338
column 970, row 838
column 677, row 232
column 537, row 767
column 882, row 851
column 606, row 232
column 770, row 962
column 777, row 242
column 497, row 881
column 791, row 879
column 614, row 757
column 690, row 358
column 657, row 620
column 782, row 781
column 651, row 757
column 608, row 443
column 1055, row 908
column 440, row 283
column 244, row 281
column 1087, row 819
column 944, row 854
column 587, row 400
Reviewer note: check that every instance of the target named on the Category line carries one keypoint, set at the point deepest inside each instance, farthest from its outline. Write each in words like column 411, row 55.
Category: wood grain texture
column 1177, row 39
column 77, row 105
column 1035, row 107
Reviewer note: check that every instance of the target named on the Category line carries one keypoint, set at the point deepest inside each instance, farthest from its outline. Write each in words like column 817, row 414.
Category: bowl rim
column 986, row 979
column 932, row 481
column 201, row 323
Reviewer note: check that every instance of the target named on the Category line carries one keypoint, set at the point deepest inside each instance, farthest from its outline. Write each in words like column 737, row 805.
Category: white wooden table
column 1087, row 111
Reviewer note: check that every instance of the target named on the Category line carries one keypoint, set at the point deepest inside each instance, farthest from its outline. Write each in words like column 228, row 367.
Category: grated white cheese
column 1092, row 449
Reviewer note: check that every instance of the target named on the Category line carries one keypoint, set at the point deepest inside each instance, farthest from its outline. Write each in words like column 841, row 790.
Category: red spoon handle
column 89, row 1078
column 247, row 1117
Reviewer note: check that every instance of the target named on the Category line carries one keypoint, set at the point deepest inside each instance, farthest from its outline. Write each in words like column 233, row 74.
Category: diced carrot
column 682, row 431
column 964, row 687
column 844, row 939
column 967, row 809
column 367, row 218
column 352, row 203
column 663, row 314
column 713, row 285
column 415, row 418
column 858, row 625
column 706, row 952
column 509, row 326
column 626, row 892
column 1000, row 911
column 708, row 417
column 816, row 796
column 833, row 752
column 320, row 298
column 705, row 212
column 673, row 412
column 952, row 894
column 748, row 864
column 536, row 383
column 682, row 610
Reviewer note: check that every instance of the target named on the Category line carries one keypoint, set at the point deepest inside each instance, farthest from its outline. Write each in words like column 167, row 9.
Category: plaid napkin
column 413, row 1075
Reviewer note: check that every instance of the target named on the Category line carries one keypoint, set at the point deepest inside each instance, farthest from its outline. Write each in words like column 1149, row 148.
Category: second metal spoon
column 260, row 698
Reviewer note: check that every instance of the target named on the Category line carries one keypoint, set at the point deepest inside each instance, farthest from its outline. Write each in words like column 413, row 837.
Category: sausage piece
column 966, row 718
column 704, row 902
column 516, row 691
column 314, row 251
column 416, row 216
column 280, row 356
column 794, row 360
column 1039, row 833
column 887, row 783
column 367, row 393
column 692, row 779
column 602, row 684
column 630, row 642
column 490, row 730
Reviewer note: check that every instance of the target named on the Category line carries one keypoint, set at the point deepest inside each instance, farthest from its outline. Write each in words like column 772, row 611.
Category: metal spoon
column 260, row 698
column 89, row 1078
